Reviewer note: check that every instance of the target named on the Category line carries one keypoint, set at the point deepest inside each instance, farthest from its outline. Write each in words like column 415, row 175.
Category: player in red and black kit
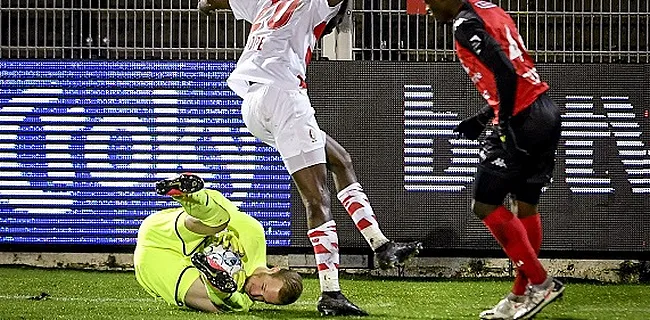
column 519, row 155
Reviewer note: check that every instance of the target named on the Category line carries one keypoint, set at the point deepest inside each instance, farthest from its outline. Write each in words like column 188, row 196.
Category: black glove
column 509, row 140
column 472, row 127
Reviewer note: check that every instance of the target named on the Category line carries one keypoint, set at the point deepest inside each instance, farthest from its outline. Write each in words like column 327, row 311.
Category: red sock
column 511, row 234
column 533, row 226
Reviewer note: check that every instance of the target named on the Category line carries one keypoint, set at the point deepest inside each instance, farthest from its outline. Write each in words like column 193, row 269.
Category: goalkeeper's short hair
column 291, row 285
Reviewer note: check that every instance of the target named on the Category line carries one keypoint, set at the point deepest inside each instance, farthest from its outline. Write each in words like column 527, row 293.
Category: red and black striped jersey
column 494, row 56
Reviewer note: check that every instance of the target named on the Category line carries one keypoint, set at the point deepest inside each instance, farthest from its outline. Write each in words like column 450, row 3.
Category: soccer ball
column 220, row 258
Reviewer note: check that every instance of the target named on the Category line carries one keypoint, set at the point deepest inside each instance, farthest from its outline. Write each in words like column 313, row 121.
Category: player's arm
column 472, row 127
column 472, row 35
column 238, row 302
column 202, row 297
column 207, row 6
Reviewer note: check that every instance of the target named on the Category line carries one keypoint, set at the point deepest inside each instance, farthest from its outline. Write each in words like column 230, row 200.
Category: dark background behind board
column 361, row 105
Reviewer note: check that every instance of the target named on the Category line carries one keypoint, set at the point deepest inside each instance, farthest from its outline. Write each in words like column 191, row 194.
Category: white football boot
column 538, row 296
column 504, row 310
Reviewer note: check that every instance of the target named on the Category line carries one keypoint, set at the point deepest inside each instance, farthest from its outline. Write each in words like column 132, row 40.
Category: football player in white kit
column 270, row 77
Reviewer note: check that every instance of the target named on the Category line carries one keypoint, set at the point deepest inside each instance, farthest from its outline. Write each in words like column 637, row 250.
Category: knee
column 340, row 163
column 475, row 209
column 525, row 209
column 482, row 210
column 346, row 161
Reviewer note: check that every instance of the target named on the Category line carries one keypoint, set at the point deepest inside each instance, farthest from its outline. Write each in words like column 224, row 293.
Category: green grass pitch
column 116, row 295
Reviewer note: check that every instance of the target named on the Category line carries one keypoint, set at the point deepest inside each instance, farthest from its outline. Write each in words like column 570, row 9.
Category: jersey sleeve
column 257, row 248
column 322, row 11
column 238, row 302
column 251, row 236
column 244, row 9
column 471, row 34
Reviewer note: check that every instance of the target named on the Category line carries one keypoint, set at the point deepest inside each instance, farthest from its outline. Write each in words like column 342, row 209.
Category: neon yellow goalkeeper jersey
column 163, row 240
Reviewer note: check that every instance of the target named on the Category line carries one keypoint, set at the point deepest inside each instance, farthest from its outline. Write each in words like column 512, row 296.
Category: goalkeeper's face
column 274, row 286
column 263, row 287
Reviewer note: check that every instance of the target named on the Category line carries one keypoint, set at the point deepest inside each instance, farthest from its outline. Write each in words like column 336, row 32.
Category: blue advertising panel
column 82, row 143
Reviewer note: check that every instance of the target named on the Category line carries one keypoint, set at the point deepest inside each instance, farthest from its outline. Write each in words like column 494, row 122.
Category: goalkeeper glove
column 240, row 278
column 228, row 239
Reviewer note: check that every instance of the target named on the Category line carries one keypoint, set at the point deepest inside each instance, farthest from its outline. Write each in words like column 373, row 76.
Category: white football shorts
column 284, row 119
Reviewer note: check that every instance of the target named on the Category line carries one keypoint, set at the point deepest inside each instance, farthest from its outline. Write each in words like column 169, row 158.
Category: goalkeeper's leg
column 208, row 206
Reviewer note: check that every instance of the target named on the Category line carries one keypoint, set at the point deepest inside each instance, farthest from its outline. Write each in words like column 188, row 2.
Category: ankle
column 379, row 247
column 544, row 284
column 516, row 298
column 333, row 294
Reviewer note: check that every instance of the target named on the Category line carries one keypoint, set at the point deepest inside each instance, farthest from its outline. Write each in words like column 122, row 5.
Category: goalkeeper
column 169, row 261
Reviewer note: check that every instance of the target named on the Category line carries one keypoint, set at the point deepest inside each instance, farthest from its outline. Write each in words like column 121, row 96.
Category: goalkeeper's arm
column 238, row 302
column 204, row 298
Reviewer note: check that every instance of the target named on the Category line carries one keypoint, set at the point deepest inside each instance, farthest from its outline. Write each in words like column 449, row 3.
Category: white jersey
column 280, row 43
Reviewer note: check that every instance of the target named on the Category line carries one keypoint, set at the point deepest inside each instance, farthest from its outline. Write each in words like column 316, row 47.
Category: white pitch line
column 55, row 298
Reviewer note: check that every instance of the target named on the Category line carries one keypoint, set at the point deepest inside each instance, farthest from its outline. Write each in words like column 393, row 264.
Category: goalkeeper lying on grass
column 180, row 253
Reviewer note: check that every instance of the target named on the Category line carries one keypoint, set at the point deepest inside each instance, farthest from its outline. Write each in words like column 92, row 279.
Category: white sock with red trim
column 358, row 207
column 325, row 241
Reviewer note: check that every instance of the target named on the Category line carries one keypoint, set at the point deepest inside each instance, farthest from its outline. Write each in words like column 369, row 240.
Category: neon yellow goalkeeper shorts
column 162, row 255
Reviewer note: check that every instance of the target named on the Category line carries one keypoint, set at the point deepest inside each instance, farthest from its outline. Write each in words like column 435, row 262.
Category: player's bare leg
column 322, row 233
column 355, row 201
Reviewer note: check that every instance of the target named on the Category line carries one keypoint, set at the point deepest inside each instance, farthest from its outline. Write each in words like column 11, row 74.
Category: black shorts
column 537, row 130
